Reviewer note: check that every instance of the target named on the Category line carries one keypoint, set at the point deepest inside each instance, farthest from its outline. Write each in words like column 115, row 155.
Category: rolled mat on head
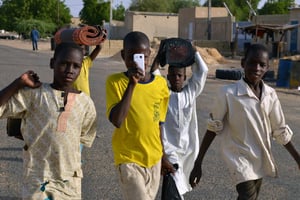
column 87, row 35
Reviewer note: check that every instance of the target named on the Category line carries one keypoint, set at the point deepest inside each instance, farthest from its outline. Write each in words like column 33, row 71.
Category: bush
column 45, row 29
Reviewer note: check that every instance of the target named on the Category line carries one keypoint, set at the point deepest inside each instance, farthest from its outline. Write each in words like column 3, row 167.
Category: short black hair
column 255, row 47
column 175, row 67
column 135, row 39
column 65, row 46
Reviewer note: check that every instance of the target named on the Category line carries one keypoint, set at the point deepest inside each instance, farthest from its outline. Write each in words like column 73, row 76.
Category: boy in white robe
column 180, row 130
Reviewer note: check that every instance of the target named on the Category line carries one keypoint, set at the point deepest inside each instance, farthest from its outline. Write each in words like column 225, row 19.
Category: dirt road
column 100, row 181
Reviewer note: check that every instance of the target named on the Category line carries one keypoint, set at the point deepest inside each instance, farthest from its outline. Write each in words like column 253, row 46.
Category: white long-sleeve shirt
column 249, row 124
column 180, row 135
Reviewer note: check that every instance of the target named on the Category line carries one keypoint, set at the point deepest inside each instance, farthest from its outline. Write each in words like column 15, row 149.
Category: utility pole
column 209, row 21
column 110, row 19
column 252, row 11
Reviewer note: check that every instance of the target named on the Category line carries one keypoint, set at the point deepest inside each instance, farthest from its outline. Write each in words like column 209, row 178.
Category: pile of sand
column 210, row 55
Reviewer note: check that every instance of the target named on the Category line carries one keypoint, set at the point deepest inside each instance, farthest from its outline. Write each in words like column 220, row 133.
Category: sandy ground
column 44, row 45
column 100, row 181
column 211, row 56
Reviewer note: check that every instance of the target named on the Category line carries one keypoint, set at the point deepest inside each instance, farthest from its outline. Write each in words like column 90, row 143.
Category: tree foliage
column 94, row 12
column 119, row 13
column 171, row 6
column 238, row 8
column 276, row 7
column 24, row 27
column 49, row 11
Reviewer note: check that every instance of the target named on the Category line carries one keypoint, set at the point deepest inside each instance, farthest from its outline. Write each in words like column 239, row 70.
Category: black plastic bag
column 177, row 52
column 13, row 128
column 169, row 189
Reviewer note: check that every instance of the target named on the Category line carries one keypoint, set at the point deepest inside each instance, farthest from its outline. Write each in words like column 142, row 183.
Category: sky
column 76, row 5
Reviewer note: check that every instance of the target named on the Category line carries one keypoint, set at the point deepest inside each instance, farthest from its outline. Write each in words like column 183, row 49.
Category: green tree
column 177, row 4
column 238, row 8
column 49, row 11
column 24, row 27
column 171, row 6
column 119, row 13
column 276, row 7
column 150, row 5
column 94, row 12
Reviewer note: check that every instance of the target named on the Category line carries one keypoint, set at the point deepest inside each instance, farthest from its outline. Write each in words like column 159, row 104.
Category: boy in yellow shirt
column 82, row 82
column 137, row 105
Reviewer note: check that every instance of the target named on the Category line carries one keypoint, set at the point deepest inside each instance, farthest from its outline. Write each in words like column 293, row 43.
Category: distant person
column 247, row 115
column 56, row 119
column 136, row 104
column 34, row 35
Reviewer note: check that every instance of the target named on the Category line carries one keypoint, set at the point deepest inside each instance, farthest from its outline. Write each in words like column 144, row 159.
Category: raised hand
column 30, row 79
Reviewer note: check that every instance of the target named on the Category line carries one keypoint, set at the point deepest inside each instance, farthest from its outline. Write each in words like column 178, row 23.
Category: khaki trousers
column 139, row 182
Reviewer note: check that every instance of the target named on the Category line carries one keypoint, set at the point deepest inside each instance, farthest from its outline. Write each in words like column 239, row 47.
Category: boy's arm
column 166, row 166
column 95, row 52
column 28, row 79
column 199, row 73
column 294, row 153
column 119, row 112
column 197, row 171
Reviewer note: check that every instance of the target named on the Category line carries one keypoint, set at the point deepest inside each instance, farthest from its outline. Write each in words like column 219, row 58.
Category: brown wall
column 111, row 48
column 193, row 23
column 270, row 19
column 221, row 28
column 154, row 25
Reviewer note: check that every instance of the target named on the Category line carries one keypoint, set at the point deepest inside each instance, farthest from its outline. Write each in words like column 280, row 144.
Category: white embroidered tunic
column 180, row 135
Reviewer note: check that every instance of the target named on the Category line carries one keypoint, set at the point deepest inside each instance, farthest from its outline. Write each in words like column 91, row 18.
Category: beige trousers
column 139, row 182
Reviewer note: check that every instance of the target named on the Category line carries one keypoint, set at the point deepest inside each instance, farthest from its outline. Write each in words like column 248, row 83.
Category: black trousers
column 248, row 190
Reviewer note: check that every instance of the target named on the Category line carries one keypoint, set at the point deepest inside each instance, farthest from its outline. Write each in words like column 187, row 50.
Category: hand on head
column 30, row 79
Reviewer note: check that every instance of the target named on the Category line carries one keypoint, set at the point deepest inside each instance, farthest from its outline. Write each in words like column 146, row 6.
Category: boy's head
column 255, row 62
column 66, row 64
column 176, row 77
column 135, row 42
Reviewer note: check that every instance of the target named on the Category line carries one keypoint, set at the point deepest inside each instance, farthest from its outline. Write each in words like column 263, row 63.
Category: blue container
column 283, row 75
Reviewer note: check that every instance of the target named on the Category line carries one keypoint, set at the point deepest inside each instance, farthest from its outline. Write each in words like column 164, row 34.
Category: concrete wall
column 222, row 46
column 270, row 19
column 221, row 28
column 154, row 25
column 111, row 48
column 193, row 23
column 118, row 32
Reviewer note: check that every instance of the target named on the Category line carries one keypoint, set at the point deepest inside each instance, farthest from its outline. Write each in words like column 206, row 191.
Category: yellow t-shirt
column 82, row 82
column 138, row 138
